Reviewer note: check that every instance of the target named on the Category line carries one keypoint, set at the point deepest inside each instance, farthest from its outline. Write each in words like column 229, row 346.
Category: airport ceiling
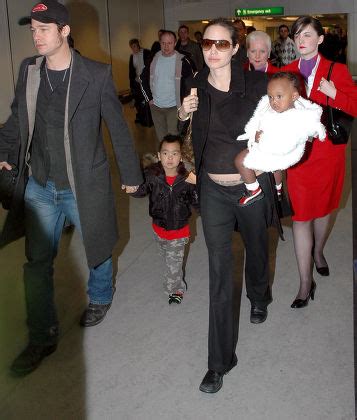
column 326, row 19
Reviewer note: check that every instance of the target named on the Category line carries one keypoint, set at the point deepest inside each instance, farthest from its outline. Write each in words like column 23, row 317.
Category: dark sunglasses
column 221, row 44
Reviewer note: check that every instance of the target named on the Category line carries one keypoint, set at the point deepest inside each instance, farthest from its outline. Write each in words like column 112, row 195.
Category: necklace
column 48, row 79
column 224, row 88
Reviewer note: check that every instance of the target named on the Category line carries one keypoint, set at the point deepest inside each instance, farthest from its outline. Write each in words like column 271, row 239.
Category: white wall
column 21, row 46
column 132, row 19
column 7, row 88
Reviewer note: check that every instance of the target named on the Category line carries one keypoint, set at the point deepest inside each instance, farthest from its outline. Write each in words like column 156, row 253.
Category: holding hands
column 191, row 179
column 129, row 189
column 5, row 165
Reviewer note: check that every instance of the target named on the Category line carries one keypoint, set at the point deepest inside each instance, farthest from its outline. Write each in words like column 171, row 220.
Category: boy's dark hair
column 291, row 77
column 183, row 27
column 283, row 26
column 240, row 21
column 165, row 32
column 170, row 138
column 134, row 41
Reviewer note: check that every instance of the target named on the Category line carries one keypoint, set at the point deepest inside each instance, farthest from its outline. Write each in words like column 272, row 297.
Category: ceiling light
column 290, row 18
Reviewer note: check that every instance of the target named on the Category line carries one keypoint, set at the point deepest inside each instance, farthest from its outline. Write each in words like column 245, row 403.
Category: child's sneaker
column 250, row 197
column 176, row 298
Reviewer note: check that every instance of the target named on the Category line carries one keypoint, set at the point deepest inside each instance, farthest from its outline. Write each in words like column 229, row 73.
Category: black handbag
column 339, row 124
column 7, row 185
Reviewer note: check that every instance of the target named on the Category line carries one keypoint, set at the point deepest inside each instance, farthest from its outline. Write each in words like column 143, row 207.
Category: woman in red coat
column 315, row 184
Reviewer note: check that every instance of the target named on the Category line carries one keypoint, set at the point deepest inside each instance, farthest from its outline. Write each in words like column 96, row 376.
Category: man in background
column 163, row 85
column 137, row 61
column 284, row 47
column 190, row 48
column 155, row 48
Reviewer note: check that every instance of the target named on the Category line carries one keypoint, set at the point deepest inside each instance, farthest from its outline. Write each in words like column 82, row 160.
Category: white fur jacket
column 283, row 137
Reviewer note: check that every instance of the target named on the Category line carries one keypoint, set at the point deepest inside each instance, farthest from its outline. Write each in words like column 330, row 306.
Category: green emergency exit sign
column 262, row 11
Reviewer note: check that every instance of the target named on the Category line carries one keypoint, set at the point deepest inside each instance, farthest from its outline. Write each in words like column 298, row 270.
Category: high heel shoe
column 323, row 271
column 301, row 303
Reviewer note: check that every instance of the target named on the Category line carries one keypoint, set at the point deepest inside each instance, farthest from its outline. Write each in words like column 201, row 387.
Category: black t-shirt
column 47, row 154
column 221, row 148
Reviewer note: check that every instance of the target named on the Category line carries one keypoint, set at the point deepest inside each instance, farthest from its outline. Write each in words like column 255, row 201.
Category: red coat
column 315, row 183
column 269, row 71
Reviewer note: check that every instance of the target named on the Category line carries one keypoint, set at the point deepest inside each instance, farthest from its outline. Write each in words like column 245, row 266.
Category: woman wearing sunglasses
column 315, row 184
column 226, row 99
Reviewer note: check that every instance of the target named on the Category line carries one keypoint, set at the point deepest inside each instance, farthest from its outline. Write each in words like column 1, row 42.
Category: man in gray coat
column 54, row 135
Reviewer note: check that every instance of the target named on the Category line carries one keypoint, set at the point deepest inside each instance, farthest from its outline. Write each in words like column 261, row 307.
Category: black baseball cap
column 48, row 11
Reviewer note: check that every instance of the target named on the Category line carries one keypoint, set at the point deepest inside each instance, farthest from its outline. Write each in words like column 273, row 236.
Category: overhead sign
column 262, row 11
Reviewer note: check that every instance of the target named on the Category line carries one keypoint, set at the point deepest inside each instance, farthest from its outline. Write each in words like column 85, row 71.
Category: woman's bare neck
column 220, row 79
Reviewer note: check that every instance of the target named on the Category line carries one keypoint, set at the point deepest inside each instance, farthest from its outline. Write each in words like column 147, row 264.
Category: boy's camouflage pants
column 172, row 252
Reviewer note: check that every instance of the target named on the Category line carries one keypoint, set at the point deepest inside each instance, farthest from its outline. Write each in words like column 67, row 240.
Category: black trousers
column 220, row 213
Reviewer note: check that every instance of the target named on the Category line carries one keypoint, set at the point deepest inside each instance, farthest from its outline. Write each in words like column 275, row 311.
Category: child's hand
column 257, row 136
column 191, row 179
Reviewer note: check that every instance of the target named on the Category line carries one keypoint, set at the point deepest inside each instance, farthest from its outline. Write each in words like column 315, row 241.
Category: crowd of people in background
column 281, row 52
column 210, row 90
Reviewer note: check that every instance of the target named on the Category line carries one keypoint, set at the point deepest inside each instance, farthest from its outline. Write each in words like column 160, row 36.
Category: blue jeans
column 46, row 210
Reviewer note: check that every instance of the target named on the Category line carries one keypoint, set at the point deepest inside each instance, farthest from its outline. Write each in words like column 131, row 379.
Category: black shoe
column 94, row 314
column 323, row 271
column 258, row 315
column 301, row 303
column 175, row 298
column 31, row 358
column 212, row 382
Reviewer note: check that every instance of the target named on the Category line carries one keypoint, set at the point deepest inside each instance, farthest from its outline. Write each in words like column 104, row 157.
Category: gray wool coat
column 91, row 96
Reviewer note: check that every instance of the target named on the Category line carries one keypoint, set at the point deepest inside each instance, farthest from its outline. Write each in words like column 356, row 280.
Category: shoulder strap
column 330, row 71
column 329, row 77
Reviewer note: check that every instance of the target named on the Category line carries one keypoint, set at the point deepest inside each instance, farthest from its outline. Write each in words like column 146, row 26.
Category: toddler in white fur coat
column 277, row 133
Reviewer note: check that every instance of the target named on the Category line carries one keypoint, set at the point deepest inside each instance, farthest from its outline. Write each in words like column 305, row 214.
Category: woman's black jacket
column 169, row 206
column 246, row 89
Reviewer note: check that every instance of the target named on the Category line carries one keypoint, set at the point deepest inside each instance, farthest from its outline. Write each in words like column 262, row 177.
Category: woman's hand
column 189, row 104
column 327, row 87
